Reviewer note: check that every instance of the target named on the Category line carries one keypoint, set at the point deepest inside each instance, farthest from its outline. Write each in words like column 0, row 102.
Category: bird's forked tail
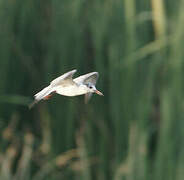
column 43, row 94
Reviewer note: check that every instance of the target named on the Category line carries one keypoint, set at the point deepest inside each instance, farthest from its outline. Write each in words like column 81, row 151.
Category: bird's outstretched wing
column 86, row 78
column 49, row 90
column 64, row 79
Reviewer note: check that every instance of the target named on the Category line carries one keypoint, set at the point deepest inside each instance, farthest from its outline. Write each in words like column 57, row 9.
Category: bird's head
column 92, row 89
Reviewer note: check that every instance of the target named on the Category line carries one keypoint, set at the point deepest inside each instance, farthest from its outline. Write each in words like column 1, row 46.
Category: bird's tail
column 41, row 95
column 33, row 103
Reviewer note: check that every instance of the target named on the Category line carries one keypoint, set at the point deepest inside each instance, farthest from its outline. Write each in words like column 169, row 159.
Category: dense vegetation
column 134, row 132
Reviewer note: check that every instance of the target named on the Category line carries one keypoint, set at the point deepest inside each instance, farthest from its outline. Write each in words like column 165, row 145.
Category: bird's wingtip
column 96, row 73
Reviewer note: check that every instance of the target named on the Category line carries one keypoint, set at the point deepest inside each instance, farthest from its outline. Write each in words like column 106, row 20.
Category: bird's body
column 66, row 86
column 71, row 90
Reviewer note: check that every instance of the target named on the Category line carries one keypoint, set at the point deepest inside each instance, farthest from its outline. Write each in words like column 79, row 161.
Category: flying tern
column 67, row 86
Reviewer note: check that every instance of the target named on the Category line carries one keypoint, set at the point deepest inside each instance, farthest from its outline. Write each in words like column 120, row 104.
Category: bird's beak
column 99, row 93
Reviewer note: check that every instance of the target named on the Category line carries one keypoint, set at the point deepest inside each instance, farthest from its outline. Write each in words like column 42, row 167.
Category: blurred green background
column 134, row 132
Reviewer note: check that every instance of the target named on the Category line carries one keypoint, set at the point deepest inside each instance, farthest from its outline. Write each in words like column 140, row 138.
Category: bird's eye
column 90, row 87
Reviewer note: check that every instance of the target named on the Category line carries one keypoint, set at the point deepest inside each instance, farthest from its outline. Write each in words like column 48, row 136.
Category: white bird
column 66, row 86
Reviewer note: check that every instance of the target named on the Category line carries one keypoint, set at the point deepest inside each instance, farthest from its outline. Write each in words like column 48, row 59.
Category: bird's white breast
column 72, row 90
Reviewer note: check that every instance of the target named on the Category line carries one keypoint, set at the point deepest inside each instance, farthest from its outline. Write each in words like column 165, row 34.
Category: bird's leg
column 49, row 96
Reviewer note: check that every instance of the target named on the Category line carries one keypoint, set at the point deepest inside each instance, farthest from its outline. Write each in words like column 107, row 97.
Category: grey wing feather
column 65, row 78
column 90, row 77
column 86, row 78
